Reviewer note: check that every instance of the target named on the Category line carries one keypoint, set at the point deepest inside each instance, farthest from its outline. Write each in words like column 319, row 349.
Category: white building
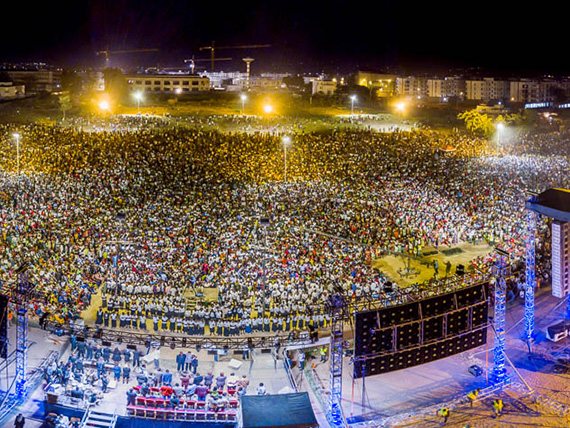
column 9, row 91
column 487, row 89
column 412, row 86
column 446, row 87
column 324, row 87
column 221, row 79
column 168, row 83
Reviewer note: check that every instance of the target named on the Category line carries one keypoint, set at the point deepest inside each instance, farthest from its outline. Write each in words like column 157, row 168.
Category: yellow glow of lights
column 268, row 109
column 104, row 105
column 400, row 106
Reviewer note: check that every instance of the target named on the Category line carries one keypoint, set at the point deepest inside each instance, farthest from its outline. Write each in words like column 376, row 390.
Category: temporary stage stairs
column 93, row 419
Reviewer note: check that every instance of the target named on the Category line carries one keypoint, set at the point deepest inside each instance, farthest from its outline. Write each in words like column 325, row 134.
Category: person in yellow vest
column 472, row 396
column 444, row 413
column 323, row 352
column 498, row 407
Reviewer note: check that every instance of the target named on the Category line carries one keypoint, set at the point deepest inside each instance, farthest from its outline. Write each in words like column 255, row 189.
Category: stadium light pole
column 17, row 137
column 286, row 141
column 352, row 100
column 243, row 98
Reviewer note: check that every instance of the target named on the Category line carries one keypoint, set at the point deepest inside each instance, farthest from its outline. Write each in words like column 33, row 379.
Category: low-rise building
column 383, row 85
column 10, row 91
column 324, row 87
column 36, row 80
column 168, row 83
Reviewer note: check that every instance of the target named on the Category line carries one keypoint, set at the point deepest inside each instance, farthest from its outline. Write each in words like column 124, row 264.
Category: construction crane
column 212, row 48
column 192, row 62
column 108, row 53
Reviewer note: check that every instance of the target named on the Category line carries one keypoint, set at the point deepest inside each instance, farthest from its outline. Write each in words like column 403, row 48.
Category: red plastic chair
column 231, row 415
column 199, row 415
column 233, row 403
column 180, row 414
column 191, row 404
column 200, row 405
column 140, row 412
column 150, row 402
column 141, row 401
column 159, row 413
column 160, row 403
column 131, row 410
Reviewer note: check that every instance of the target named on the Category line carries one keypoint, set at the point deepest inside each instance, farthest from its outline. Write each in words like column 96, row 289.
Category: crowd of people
column 148, row 217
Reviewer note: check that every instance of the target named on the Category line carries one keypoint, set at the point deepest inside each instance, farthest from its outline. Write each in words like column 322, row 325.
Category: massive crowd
column 150, row 216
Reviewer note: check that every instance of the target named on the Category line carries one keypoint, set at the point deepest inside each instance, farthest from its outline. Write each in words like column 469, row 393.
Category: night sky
column 334, row 35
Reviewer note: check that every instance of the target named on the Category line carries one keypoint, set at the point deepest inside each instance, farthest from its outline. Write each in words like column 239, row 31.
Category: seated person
column 166, row 391
column 145, row 390
column 222, row 402
column 191, row 390
column 174, row 402
column 211, row 403
column 178, row 390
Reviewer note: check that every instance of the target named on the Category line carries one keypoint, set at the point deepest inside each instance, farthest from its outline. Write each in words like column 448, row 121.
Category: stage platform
column 463, row 253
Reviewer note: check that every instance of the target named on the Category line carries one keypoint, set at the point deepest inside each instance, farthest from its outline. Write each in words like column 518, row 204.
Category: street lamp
column 352, row 100
column 286, row 141
column 138, row 96
column 17, row 137
column 243, row 98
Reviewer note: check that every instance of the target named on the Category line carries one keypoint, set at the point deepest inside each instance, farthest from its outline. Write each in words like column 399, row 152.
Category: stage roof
column 281, row 410
column 554, row 203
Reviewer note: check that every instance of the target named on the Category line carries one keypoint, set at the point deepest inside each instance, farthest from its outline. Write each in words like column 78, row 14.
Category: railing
column 177, row 340
column 289, row 371
column 320, row 392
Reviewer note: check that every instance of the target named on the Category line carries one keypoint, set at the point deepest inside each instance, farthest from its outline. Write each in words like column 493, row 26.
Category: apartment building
column 487, row 89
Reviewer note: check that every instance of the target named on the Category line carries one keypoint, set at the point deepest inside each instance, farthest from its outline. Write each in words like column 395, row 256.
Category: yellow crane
column 192, row 61
column 108, row 53
column 212, row 48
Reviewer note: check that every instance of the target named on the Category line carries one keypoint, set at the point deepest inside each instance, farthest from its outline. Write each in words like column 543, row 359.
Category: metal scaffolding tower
column 500, row 271
column 22, row 335
column 22, row 353
column 530, row 276
column 335, row 415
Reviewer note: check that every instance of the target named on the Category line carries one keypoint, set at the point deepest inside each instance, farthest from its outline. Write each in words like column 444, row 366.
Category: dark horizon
column 318, row 36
